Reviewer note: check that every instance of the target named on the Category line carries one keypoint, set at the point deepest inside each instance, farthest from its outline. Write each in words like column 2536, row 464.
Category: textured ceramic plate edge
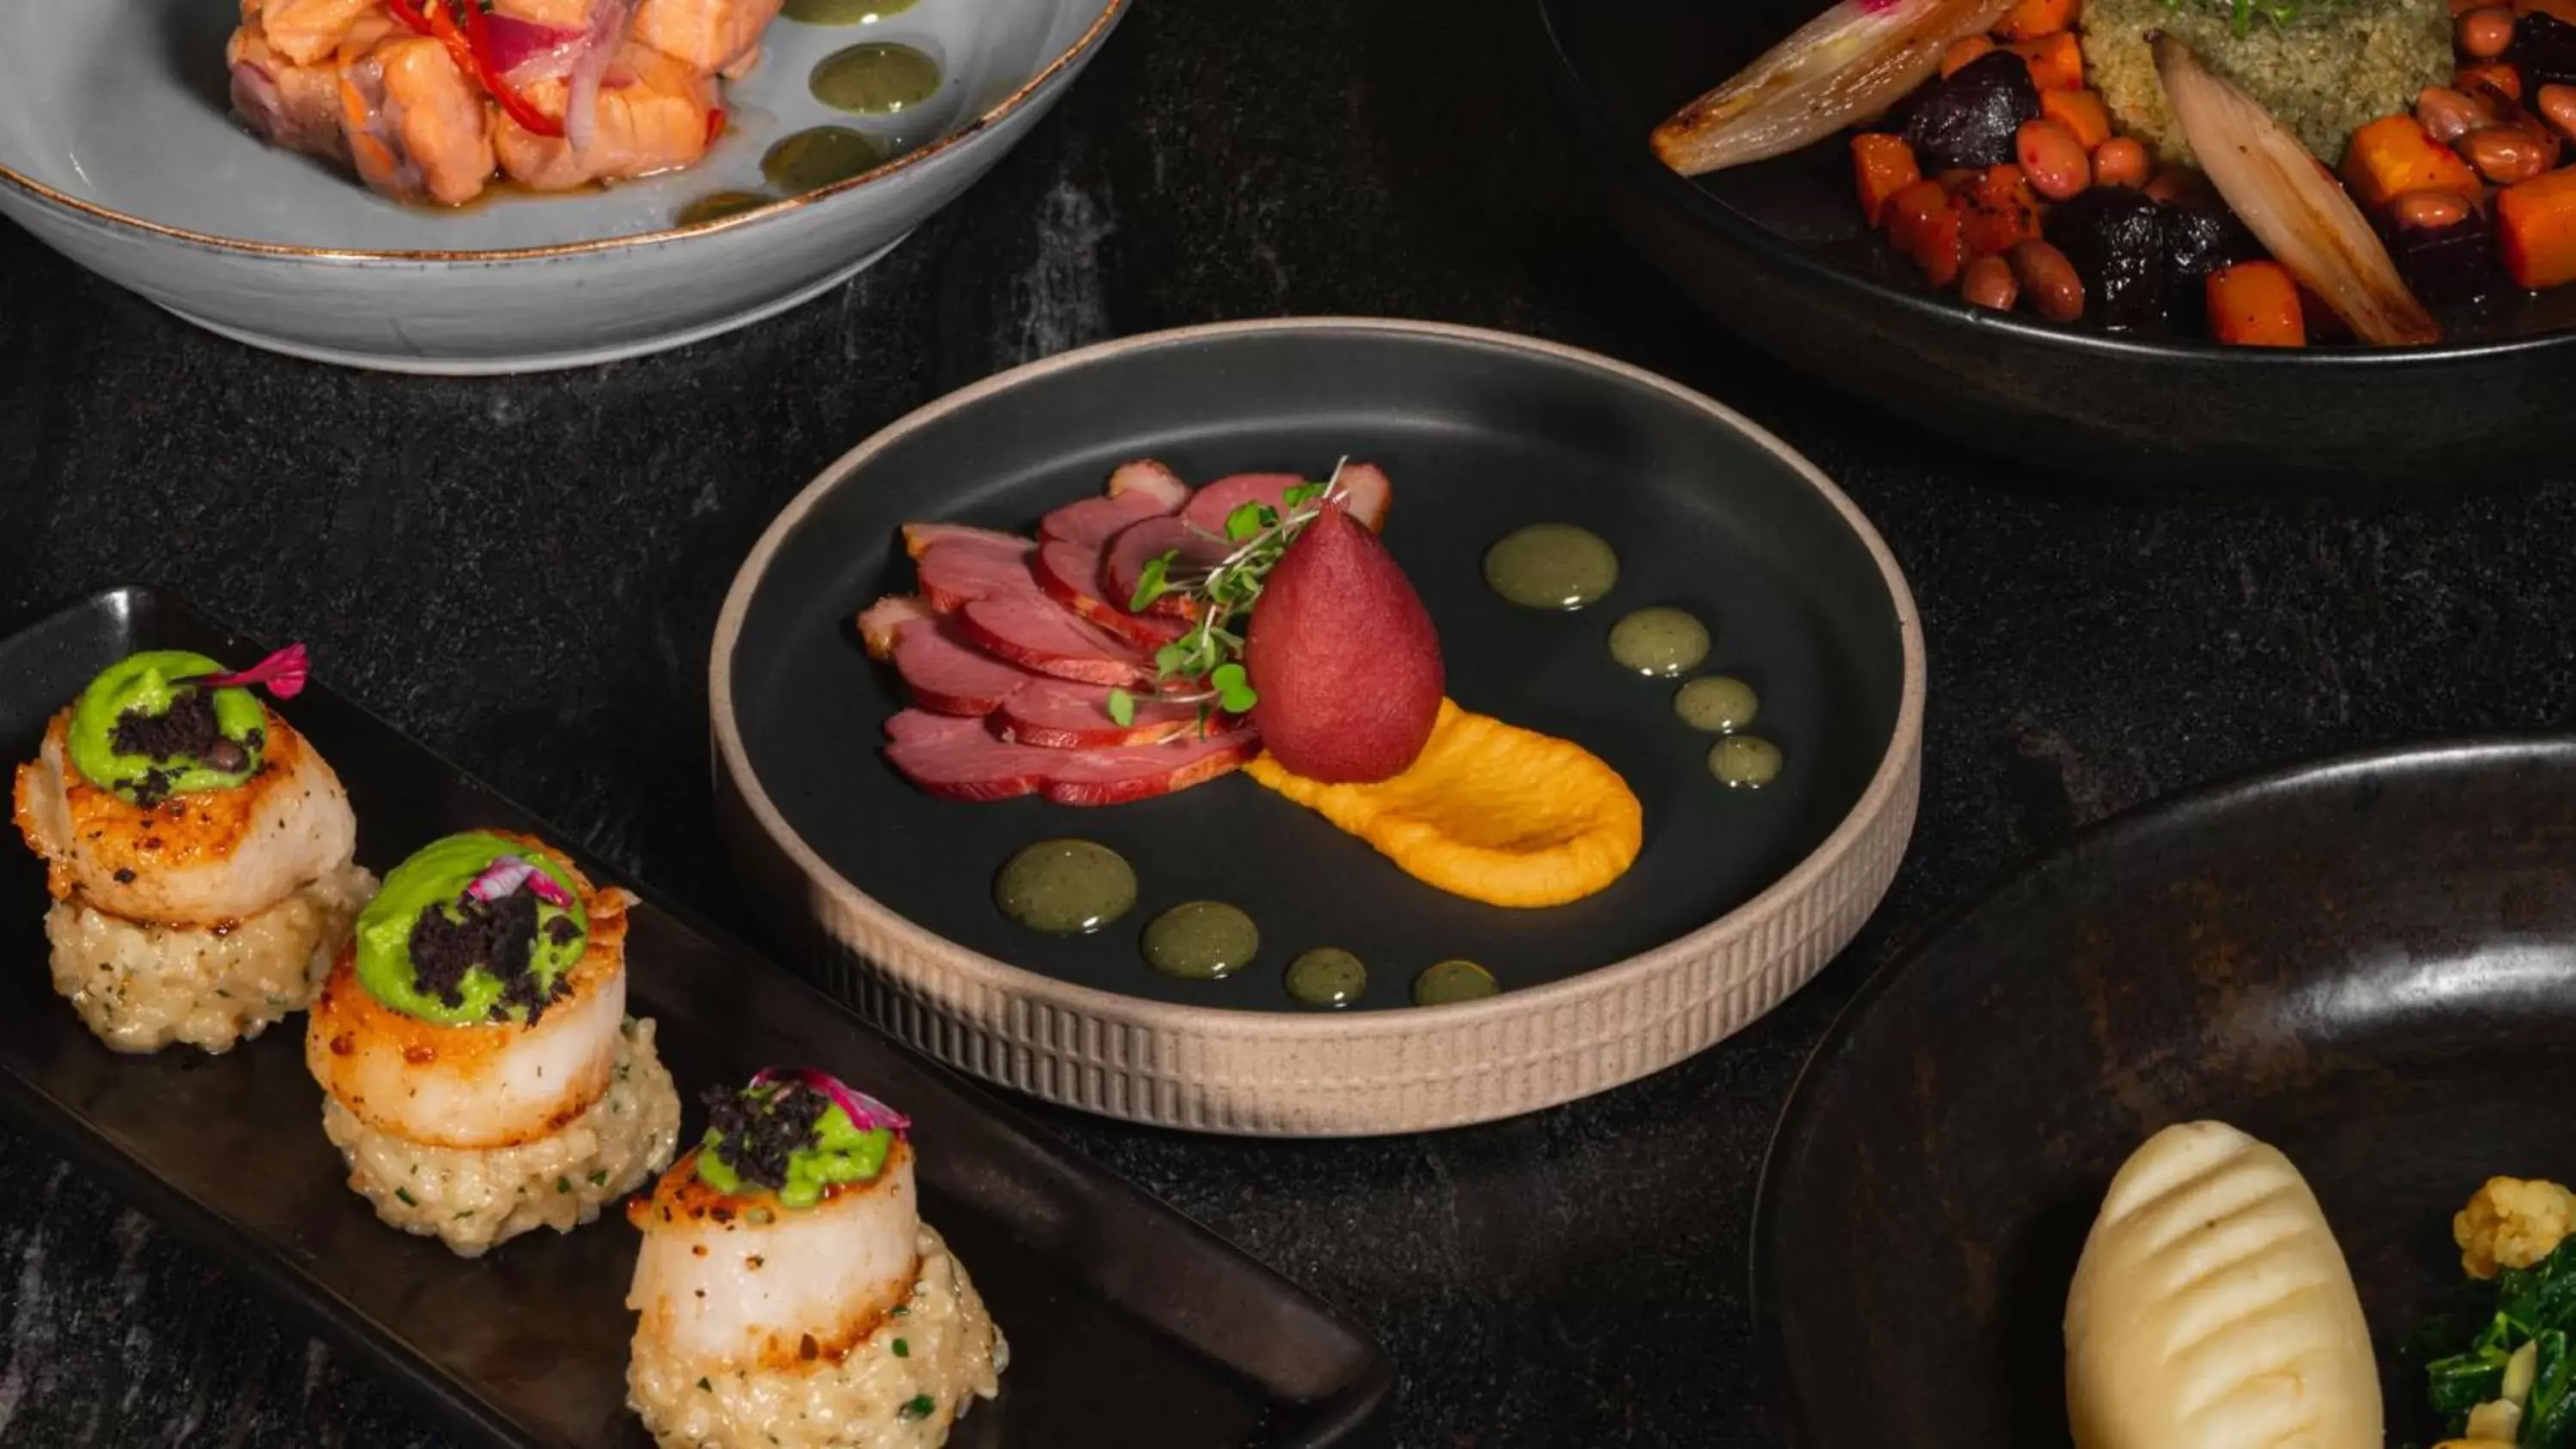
column 1111, row 12
column 1278, row 1075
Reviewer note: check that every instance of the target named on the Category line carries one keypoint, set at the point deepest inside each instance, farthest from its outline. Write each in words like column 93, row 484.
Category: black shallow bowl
column 2366, row 962
column 1481, row 433
column 1777, row 253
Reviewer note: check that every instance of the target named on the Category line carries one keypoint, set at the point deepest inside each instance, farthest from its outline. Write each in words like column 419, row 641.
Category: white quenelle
column 2212, row 1308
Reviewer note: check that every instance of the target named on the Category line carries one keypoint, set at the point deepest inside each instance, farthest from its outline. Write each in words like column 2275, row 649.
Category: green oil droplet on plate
column 1327, row 976
column 1720, row 704
column 1450, row 982
column 1660, row 642
column 721, row 205
column 813, row 159
column 1201, row 941
column 844, row 12
column 1551, row 566
column 1744, row 762
column 1065, row 887
column 876, row 79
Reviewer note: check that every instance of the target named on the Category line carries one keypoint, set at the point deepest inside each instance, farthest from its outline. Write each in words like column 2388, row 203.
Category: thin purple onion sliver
column 865, row 1112
column 510, row 872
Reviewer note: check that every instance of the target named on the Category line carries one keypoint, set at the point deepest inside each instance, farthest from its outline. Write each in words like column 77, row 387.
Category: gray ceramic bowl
column 117, row 149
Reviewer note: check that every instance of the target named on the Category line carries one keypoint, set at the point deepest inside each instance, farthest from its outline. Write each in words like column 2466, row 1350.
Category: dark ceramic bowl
column 2367, row 963
column 1736, row 898
column 1777, row 252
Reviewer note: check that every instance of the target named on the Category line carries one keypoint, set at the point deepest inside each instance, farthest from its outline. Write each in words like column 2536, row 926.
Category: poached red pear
column 1344, row 658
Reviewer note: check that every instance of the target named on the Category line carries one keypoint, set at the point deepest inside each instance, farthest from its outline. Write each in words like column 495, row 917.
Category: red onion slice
column 867, row 1112
column 508, row 873
column 524, row 52
column 608, row 23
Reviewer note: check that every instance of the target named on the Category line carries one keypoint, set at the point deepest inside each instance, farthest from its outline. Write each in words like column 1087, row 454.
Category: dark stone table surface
column 1575, row 1277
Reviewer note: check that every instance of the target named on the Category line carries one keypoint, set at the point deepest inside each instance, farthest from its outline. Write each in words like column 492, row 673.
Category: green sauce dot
column 876, row 79
column 1551, row 566
column 1453, row 981
column 1327, row 976
column 1201, row 941
column 1719, row 704
column 1744, row 762
column 1065, row 887
column 721, row 205
column 844, row 12
column 1661, row 642
column 811, row 160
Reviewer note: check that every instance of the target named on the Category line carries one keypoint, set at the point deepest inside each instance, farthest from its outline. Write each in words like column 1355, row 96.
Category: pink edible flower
column 283, row 673
column 509, row 873
column 865, row 1112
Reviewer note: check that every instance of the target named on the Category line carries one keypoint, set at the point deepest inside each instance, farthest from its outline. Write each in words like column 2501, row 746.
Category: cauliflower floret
column 2512, row 1223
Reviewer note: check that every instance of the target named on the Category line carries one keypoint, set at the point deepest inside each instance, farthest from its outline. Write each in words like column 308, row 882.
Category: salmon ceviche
column 431, row 101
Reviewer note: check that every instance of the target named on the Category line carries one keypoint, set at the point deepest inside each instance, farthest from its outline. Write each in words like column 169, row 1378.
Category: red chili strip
column 471, row 52
column 715, row 124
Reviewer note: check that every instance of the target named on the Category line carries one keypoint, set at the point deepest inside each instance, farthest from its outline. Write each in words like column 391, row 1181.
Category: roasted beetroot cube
column 1970, row 117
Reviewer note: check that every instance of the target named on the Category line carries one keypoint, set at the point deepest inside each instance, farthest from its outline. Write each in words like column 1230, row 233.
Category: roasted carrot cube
column 2536, row 230
column 2031, row 19
column 1963, row 53
column 1923, row 223
column 1882, row 165
column 2081, row 113
column 2393, row 156
column 1998, row 211
column 2256, row 304
column 2056, row 61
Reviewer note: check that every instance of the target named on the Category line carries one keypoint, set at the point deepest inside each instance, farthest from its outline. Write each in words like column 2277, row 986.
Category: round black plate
column 1480, row 437
column 2367, row 963
column 1777, row 252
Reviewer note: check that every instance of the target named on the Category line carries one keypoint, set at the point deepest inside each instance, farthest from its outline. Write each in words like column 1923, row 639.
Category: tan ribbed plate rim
column 1276, row 1074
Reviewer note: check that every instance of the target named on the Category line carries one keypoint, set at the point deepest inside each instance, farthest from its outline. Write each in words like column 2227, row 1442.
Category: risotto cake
column 198, row 851
column 481, row 1076
column 789, row 1295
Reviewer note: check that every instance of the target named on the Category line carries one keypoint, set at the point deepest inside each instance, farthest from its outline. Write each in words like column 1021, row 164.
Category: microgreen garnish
column 1206, row 663
column 1248, row 520
column 1233, row 691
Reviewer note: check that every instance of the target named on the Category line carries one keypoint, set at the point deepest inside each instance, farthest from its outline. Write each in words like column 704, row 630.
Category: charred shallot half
column 1847, row 65
column 2291, row 203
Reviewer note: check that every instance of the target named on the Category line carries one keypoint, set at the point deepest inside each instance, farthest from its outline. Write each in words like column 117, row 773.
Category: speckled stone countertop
column 1575, row 1277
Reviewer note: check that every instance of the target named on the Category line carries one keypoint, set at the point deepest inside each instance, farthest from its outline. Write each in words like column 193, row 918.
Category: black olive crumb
column 498, row 936
column 186, row 731
column 763, row 1127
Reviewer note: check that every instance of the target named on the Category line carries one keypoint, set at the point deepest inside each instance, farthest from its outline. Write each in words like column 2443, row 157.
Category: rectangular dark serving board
column 1129, row 1325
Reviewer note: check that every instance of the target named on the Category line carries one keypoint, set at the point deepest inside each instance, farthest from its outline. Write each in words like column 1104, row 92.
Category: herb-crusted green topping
column 154, row 725
column 794, row 1134
column 2242, row 14
column 472, row 928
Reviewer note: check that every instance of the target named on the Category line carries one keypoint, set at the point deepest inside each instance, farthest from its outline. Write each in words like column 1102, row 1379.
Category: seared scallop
column 481, row 1076
column 788, row 1294
column 197, row 848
